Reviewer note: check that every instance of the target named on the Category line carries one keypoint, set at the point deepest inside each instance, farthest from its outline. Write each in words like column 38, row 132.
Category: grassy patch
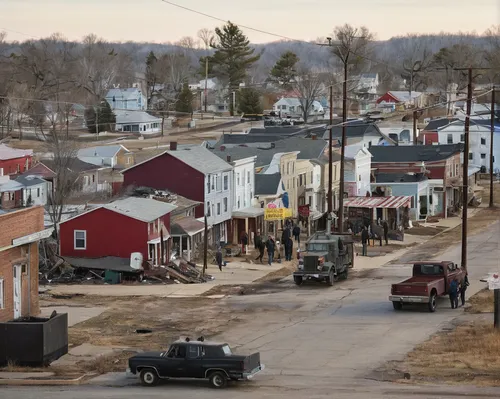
column 482, row 302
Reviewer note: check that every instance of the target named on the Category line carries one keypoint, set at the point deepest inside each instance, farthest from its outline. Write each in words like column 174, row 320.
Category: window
column 301, row 180
column 450, row 138
column 93, row 178
column 471, row 156
column 288, row 168
column 248, row 177
column 483, row 141
column 483, row 156
column 80, row 239
column 208, row 208
column 208, row 184
column 312, row 178
column 237, row 179
column 213, row 182
column 462, row 138
column 2, row 305
column 226, row 182
column 218, row 183
column 224, row 201
column 218, row 208
column 238, row 203
column 38, row 192
column 193, row 352
column 128, row 160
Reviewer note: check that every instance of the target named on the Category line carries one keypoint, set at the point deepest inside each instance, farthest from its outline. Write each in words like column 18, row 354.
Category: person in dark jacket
column 244, row 241
column 365, row 237
column 454, row 294
column 262, row 247
column 257, row 239
column 296, row 233
column 285, row 235
column 270, row 245
column 218, row 258
column 463, row 288
column 385, row 226
column 288, row 249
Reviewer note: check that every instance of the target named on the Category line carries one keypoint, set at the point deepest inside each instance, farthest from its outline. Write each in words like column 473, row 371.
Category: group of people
column 368, row 234
column 274, row 247
column 458, row 289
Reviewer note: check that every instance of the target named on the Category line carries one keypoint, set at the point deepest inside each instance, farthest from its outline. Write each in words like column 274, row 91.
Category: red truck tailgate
column 413, row 286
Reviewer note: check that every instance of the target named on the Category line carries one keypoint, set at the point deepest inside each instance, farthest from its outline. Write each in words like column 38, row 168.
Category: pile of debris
column 186, row 272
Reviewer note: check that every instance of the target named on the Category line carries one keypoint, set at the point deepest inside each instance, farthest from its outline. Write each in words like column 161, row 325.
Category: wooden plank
column 178, row 275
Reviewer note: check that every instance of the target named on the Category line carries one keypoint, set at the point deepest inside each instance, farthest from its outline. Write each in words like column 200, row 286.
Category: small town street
column 324, row 341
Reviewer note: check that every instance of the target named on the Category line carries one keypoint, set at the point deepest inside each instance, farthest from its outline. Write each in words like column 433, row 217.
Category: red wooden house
column 119, row 229
column 13, row 160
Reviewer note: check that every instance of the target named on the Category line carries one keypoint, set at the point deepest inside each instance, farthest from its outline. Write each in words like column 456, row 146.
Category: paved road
column 326, row 340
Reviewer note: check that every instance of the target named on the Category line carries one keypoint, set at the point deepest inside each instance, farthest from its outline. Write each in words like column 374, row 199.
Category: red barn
column 14, row 161
column 119, row 229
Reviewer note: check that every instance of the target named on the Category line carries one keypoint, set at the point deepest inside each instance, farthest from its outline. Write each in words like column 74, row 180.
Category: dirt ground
column 467, row 354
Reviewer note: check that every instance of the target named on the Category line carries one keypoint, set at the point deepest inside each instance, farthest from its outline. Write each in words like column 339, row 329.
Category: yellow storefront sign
column 277, row 213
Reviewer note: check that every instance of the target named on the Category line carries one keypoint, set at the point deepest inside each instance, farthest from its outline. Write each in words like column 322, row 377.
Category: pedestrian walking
column 463, row 288
column 218, row 258
column 386, row 232
column 365, row 237
column 296, row 233
column 288, row 249
column 454, row 293
column 244, row 241
column 270, row 245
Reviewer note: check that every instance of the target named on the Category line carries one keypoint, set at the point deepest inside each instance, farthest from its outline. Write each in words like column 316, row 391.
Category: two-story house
column 357, row 170
column 195, row 173
column 130, row 98
column 114, row 156
column 293, row 107
column 440, row 163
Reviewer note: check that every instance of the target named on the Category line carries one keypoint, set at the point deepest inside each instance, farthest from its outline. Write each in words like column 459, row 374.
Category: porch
column 249, row 220
column 187, row 234
column 159, row 250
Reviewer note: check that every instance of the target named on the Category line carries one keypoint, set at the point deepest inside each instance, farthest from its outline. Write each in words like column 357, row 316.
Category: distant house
column 126, row 99
column 357, row 170
column 11, row 193
column 400, row 98
column 13, row 160
column 359, row 132
column 115, row 156
column 117, row 230
column 34, row 190
column 368, row 83
column 44, row 172
column 86, row 175
column 291, row 106
column 429, row 135
column 138, row 122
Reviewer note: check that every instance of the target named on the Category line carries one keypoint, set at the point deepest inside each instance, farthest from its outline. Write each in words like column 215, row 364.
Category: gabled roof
column 10, row 186
column 106, row 151
column 74, row 164
column 435, row 124
column 42, row 170
column 267, row 184
column 414, row 153
column 144, row 209
column 129, row 117
column 354, row 129
column 475, row 124
column 124, row 94
column 30, row 180
column 248, row 138
column 7, row 152
column 404, row 96
column 199, row 158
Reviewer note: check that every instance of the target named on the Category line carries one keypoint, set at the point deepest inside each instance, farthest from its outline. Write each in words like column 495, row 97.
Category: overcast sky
column 155, row 21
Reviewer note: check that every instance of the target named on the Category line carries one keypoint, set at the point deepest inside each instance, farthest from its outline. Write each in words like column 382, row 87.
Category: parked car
column 195, row 359
column 429, row 281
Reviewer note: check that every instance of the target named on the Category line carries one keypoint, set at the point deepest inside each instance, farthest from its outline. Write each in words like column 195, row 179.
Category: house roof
column 368, row 75
column 30, row 180
column 308, row 149
column 187, row 226
column 478, row 124
column 144, row 209
column 404, row 96
column 106, row 151
column 248, row 138
column 10, row 186
column 354, row 129
column 267, row 184
column 130, row 117
column 414, row 153
column 295, row 102
column 7, row 152
column 435, row 124
column 400, row 177
column 124, row 94
column 199, row 158
column 42, row 170
column 75, row 164
column 352, row 150
column 277, row 130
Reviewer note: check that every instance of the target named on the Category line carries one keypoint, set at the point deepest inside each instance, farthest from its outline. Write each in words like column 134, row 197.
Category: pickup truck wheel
column 149, row 377
column 397, row 305
column 331, row 278
column 432, row 302
column 298, row 280
column 218, row 380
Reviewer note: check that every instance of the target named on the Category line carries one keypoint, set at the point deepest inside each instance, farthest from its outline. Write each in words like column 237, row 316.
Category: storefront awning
column 250, row 212
column 378, row 202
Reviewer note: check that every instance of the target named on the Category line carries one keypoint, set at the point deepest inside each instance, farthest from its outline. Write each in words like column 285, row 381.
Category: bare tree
column 206, row 36
column 308, row 86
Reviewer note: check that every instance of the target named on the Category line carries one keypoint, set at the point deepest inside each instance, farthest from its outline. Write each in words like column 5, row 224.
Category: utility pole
column 206, row 83
column 465, row 184
column 415, row 118
column 330, row 166
column 492, row 134
column 342, row 151
column 205, row 247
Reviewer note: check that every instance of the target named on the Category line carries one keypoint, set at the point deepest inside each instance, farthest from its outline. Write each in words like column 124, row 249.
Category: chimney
column 173, row 146
column 228, row 159
column 314, row 136
column 273, row 145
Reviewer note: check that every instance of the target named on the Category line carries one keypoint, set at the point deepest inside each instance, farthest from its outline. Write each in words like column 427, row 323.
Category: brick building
column 20, row 232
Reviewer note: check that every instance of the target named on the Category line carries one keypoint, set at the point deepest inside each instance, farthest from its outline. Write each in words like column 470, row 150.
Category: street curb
column 14, row 382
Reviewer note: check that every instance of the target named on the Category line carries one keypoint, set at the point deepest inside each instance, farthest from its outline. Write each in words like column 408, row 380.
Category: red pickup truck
column 429, row 280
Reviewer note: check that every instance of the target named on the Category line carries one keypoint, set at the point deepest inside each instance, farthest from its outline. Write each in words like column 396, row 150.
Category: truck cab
column 429, row 281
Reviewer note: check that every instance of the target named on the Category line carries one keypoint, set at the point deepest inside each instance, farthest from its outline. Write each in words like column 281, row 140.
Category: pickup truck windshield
column 227, row 350
column 317, row 247
column 429, row 270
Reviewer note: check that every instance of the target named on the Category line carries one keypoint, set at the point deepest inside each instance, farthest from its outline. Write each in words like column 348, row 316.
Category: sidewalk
column 235, row 273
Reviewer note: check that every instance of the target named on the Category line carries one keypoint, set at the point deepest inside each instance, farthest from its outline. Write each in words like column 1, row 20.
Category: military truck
column 327, row 257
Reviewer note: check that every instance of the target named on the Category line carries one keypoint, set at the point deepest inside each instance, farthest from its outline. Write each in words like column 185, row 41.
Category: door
column 17, row 291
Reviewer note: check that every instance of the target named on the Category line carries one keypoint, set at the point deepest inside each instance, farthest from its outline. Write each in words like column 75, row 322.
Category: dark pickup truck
column 195, row 359
column 429, row 281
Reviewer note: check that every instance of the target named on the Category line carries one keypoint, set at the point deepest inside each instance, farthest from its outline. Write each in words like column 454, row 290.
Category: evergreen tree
column 151, row 73
column 184, row 101
column 284, row 71
column 104, row 117
column 249, row 102
column 232, row 58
